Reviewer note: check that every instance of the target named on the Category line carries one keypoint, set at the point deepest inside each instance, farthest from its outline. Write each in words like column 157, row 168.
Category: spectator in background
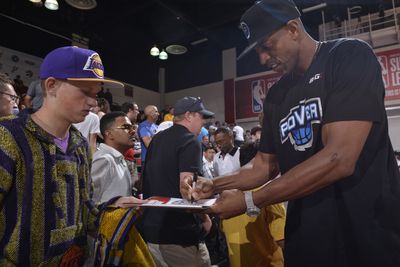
column 18, row 82
column 101, row 93
column 109, row 97
column 132, row 155
column 208, row 162
column 255, row 133
column 238, row 132
column 90, row 128
column 102, row 108
column 203, row 132
column 8, row 97
column 205, row 142
column 110, row 173
column 170, row 114
column 34, row 95
column 19, row 86
column 147, row 129
column 247, row 136
column 131, row 109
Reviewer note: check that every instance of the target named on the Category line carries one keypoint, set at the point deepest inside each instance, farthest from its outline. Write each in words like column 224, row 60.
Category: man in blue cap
column 325, row 130
column 45, row 187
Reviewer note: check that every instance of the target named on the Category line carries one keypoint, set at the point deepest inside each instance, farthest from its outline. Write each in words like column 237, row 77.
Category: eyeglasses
column 14, row 98
column 129, row 127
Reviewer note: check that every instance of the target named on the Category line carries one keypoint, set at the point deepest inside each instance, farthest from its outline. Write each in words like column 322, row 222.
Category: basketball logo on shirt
column 297, row 125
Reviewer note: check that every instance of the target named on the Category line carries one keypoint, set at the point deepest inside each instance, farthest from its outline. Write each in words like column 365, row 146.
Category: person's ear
column 108, row 134
column 50, row 86
column 293, row 28
column 188, row 116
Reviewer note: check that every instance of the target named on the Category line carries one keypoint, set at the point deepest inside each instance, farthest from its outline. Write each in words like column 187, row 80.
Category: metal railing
column 361, row 25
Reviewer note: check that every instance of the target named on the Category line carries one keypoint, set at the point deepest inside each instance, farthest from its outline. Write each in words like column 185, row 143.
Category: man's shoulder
column 347, row 45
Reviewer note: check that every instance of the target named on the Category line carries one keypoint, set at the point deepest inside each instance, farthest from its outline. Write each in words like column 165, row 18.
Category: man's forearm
column 263, row 169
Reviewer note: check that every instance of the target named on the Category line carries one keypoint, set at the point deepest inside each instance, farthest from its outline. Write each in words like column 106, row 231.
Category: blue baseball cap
column 264, row 18
column 75, row 64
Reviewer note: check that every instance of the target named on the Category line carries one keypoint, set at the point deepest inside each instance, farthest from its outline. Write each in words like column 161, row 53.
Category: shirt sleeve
column 355, row 89
column 267, row 140
column 144, row 131
column 101, row 176
column 95, row 127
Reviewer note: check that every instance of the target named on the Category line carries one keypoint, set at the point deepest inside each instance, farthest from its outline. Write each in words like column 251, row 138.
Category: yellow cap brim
column 107, row 82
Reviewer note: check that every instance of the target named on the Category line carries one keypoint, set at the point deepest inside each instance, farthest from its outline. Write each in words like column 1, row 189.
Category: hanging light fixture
column 35, row 1
column 51, row 4
column 163, row 55
column 154, row 51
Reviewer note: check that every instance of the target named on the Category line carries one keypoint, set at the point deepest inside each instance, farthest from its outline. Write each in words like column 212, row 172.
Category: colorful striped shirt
column 45, row 201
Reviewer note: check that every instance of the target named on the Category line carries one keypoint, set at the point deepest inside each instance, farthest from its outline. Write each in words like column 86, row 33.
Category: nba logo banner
column 258, row 95
column 250, row 94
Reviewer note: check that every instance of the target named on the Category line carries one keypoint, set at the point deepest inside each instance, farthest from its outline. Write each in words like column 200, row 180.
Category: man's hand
column 204, row 188
column 231, row 203
column 128, row 202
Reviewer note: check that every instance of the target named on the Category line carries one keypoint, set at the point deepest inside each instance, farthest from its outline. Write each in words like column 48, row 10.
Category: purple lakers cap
column 75, row 64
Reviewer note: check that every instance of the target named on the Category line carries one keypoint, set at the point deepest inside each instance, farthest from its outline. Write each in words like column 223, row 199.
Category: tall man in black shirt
column 175, row 237
column 325, row 129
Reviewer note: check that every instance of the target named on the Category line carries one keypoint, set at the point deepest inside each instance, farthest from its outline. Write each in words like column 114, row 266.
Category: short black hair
column 255, row 129
column 210, row 147
column 108, row 120
column 224, row 130
column 125, row 107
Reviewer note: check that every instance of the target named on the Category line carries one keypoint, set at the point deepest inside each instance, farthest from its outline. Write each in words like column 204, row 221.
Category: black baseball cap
column 264, row 18
column 191, row 104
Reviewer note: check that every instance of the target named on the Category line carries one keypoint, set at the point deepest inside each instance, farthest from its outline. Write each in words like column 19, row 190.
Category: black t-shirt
column 171, row 152
column 355, row 221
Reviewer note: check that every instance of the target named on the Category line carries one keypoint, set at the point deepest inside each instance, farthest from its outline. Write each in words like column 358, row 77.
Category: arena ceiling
column 123, row 32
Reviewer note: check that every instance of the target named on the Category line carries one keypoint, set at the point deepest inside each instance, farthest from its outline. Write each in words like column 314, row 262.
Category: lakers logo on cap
column 245, row 29
column 95, row 65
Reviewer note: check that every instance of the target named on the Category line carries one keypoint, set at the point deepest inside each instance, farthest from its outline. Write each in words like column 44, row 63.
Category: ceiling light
column 35, row 1
column 163, row 55
column 176, row 49
column 51, row 4
column 154, row 51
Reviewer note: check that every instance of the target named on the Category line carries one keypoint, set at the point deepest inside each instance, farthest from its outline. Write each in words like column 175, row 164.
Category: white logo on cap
column 245, row 29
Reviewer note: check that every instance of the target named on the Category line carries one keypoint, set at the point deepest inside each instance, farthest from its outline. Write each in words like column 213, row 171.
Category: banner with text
column 390, row 63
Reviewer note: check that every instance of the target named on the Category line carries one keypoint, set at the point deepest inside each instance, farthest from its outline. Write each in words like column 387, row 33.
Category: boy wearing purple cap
column 45, row 187
column 325, row 130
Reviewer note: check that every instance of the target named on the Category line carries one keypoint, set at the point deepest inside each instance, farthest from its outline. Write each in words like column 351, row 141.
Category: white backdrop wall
column 212, row 95
column 16, row 63
column 394, row 132
column 141, row 96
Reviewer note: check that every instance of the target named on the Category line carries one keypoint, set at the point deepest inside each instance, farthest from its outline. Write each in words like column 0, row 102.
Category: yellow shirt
column 168, row 117
column 252, row 241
